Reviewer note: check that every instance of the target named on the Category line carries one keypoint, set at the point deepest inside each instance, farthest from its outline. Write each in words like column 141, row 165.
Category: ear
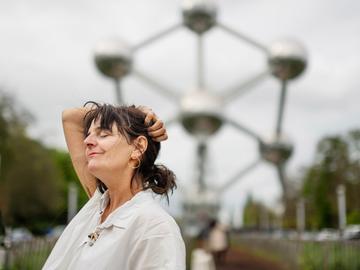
column 140, row 144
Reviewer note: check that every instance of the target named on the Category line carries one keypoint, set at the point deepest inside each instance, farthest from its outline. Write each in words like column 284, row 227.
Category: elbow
column 66, row 115
column 71, row 115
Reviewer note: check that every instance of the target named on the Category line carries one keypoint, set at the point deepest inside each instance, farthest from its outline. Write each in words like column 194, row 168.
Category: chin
column 92, row 167
column 97, row 169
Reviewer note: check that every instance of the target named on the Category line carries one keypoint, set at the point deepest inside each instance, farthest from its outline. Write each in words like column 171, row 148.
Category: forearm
column 74, row 116
column 73, row 130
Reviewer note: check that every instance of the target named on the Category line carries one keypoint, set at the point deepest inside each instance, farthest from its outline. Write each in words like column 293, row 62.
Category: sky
column 47, row 63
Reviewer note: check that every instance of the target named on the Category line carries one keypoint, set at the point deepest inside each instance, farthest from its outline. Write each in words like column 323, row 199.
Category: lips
column 91, row 154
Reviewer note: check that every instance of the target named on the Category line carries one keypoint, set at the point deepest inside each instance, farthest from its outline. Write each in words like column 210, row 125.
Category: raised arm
column 73, row 130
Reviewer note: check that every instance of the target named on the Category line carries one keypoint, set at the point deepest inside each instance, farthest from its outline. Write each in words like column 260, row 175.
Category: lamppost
column 200, row 110
column 341, row 201
column 5, row 244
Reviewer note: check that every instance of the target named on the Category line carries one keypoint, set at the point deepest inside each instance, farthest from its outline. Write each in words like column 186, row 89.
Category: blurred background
column 47, row 64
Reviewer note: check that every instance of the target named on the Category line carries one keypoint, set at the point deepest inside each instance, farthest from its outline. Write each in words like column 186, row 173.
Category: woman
column 218, row 241
column 113, row 151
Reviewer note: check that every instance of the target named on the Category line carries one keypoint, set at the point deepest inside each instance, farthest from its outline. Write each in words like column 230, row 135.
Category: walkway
column 243, row 260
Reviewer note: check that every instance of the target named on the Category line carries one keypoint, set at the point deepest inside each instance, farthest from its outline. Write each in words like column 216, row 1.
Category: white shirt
column 218, row 238
column 137, row 235
column 202, row 260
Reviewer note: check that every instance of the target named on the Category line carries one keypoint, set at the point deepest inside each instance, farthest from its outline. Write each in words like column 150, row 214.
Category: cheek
column 120, row 157
column 103, row 163
column 117, row 156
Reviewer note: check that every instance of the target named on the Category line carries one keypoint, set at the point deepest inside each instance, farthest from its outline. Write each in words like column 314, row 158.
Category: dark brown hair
column 130, row 122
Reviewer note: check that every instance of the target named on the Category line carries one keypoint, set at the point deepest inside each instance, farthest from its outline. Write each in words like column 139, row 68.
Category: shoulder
column 89, row 209
column 159, row 244
column 156, row 221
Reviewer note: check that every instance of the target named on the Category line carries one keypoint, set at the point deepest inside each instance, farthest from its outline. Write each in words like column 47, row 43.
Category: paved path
column 243, row 260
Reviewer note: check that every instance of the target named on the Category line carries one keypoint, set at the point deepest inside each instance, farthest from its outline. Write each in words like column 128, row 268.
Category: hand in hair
column 157, row 128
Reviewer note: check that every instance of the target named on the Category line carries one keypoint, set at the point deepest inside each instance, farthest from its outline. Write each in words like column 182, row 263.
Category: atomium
column 200, row 111
column 287, row 59
column 199, row 15
column 276, row 151
column 113, row 58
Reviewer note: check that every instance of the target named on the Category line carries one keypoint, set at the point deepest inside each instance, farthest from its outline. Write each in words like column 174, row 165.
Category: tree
column 336, row 162
column 63, row 162
column 251, row 213
column 257, row 215
column 30, row 181
column 32, row 186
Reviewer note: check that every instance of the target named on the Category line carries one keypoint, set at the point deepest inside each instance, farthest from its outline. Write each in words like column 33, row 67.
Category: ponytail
column 160, row 180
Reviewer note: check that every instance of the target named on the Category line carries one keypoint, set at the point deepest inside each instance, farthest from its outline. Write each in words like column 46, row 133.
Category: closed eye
column 104, row 134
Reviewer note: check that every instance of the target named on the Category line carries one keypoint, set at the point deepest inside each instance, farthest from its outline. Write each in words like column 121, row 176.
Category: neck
column 121, row 192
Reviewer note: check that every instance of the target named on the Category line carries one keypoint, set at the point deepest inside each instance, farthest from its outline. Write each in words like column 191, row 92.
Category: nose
column 90, row 141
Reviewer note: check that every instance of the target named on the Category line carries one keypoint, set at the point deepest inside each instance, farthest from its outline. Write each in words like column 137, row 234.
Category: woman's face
column 106, row 150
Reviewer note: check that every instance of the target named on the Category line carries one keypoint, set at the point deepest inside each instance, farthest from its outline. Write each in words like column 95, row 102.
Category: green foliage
column 255, row 213
column 30, row 255
column 331, row 256
column 353, row 217
column 63, row 162
column 32, row 260
column 251, row 213
column 33, row 178
column 10, row 123
column 337, row 161
column 32, row 185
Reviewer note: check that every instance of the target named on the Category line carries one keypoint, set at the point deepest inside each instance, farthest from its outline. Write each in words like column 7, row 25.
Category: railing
column 305, row 255
column 28, row 255
column 301, row 255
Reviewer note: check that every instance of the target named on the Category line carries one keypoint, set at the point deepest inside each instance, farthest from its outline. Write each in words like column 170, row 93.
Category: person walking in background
column 113, row 150
column 218, row 241
column 201, row 258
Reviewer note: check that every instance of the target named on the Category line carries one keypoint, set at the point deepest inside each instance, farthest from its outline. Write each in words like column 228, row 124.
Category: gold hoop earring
column 138, row 165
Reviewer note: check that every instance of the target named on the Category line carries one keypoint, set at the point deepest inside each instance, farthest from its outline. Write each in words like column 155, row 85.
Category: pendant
column 93, row 237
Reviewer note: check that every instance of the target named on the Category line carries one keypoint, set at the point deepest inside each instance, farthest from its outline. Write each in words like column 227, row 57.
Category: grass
column 332, row 256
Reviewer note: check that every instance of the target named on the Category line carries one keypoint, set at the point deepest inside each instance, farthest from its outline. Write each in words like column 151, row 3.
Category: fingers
column 157, row 130
column 157, row 125
column 150, row 117
column 161, row 138
column 157, row 133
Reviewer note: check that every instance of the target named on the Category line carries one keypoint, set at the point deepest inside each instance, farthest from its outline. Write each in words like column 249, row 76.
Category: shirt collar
column 121, row 216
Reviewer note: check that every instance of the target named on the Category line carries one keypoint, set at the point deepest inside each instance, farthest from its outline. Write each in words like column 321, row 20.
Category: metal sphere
column 201, row 113
column 199, row 15
column 276, row 151
column 287, row 59
column 113, row 58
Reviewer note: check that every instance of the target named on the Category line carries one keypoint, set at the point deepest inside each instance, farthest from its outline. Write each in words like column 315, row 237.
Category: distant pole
column 300, row 216
column 72, row 201
column 7, row 248
column 341, row 199
column 118, row 94
column 201, row 153
column 6, row 243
